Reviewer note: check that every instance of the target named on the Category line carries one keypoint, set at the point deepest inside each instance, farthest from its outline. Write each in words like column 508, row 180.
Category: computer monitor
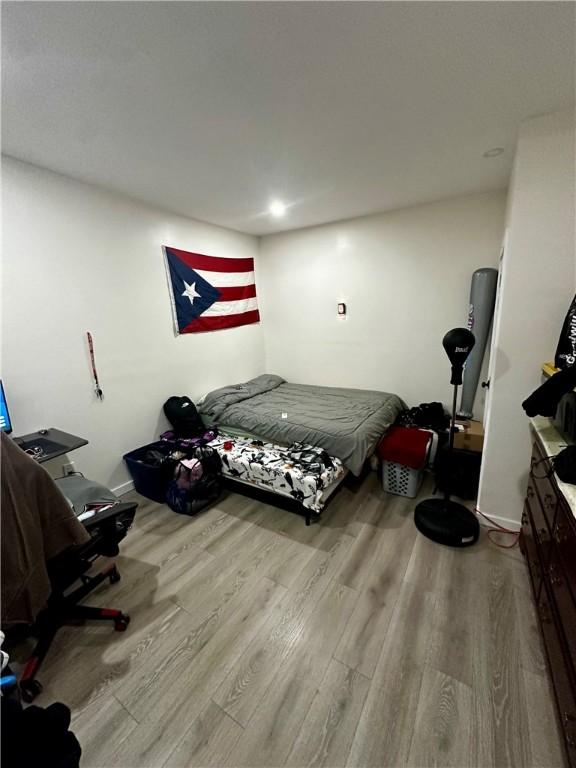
column 5, row 423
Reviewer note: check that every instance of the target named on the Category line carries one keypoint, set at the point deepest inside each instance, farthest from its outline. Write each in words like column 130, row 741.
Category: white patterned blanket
column 300, row 471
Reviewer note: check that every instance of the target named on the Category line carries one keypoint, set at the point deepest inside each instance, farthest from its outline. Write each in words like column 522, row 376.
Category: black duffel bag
column 197, row 482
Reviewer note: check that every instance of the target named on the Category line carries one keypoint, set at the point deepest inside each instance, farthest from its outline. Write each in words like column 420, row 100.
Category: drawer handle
column 530, row 492
column 544, row 613
column 543, row 533
column 549, row 501
column 554, row 577
column 560, row 533
column 524, row 518
column 569, row 719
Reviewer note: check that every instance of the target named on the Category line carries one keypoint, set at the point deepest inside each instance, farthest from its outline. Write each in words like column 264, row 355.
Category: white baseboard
column 119, row 490
column 507, row 522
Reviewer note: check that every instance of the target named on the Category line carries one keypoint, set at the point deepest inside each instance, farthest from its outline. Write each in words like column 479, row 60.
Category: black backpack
column 185, row 419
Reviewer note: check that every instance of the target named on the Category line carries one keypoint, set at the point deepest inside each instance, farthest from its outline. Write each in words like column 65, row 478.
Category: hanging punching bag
column 482, row 299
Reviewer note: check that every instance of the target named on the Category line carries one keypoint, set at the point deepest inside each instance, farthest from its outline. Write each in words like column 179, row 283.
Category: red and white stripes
column 234, row 280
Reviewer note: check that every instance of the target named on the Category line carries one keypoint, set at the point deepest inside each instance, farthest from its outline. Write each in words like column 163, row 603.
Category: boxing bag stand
column 441, row 519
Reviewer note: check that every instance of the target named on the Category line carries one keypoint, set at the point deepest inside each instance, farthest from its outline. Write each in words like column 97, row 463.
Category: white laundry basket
column 405, row 481
column 401, row 480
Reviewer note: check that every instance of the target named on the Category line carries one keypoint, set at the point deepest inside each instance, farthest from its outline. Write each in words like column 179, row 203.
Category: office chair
column 106, row 528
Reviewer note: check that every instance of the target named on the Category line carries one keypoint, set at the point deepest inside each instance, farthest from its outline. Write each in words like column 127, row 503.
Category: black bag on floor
column 197, row 482
column 36, row 736
column 459, row 475
column 183, row 416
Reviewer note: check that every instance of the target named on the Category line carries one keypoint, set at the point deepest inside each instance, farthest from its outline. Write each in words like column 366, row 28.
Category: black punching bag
column 458, row 344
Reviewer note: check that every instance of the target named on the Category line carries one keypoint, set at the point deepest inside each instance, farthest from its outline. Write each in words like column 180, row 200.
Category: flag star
column 191, row 292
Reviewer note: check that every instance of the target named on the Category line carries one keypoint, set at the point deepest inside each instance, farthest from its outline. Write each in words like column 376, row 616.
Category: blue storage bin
column 150, row 481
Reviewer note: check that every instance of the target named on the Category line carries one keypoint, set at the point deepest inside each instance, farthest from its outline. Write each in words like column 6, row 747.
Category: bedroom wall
column 538, row 283
column 77, row 258
column 405, row 277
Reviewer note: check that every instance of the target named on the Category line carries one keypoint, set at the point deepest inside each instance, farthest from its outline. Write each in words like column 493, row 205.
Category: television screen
column 5, row 423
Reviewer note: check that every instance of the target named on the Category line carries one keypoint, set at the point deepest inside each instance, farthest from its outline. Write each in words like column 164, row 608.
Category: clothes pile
column 426, row 416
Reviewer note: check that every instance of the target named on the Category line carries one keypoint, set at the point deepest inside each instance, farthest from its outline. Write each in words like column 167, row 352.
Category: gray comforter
column 347, row 423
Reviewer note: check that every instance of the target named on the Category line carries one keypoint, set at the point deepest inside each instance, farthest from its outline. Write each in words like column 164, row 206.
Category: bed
column 346, row 424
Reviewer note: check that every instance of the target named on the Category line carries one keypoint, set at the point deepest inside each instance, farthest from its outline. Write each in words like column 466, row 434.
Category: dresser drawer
column 564, row 545
column 530, row 551
column 561, row 672
column 543, row 527
column 561, row 592
column 542, row 483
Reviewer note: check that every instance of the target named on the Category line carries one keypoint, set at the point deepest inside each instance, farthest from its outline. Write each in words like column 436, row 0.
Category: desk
column 55, row 442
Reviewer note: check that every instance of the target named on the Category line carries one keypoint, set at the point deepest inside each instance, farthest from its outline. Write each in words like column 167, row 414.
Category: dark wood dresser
column 548, row 542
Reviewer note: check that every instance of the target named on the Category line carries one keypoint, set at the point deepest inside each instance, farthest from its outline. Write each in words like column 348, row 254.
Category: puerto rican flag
column 210, row 293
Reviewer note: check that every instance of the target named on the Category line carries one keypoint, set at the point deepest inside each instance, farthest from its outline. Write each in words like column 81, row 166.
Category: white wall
column 76, row 258
column 405, row 277
column 539, row 281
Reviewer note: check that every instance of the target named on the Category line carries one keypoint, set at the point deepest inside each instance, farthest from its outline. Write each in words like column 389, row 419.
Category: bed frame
column 309, row 514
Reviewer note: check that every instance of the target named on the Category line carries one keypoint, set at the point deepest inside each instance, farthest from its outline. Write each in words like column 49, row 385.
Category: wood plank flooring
column 256, row 641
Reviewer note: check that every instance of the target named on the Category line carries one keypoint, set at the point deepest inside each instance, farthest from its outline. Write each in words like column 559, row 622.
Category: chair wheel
column 114, row 576
column 29, row 689
column 121, row 624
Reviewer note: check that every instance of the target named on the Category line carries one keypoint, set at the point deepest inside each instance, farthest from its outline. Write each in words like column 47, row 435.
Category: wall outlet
column 68, row 469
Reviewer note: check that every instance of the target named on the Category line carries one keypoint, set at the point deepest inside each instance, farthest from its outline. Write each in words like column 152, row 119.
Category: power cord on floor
column 500, row 529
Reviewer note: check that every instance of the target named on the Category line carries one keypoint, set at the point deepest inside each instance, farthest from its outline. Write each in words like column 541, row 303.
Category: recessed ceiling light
column 277, row 209
column 494, row 152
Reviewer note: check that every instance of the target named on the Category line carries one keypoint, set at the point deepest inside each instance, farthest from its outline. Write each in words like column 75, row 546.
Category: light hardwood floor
column 256, row 641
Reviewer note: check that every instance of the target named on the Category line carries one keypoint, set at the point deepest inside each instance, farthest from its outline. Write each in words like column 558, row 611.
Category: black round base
column 447, row 522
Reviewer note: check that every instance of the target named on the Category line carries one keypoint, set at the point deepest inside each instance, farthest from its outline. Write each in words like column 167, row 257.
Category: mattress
column 346, row 423
column 301, row 472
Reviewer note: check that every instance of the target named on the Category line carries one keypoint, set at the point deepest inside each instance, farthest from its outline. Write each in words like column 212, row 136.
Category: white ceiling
column 339, row 109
